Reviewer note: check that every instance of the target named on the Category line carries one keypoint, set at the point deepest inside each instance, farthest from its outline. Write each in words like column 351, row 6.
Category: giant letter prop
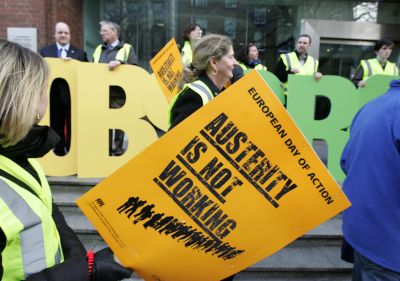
column 333, row 129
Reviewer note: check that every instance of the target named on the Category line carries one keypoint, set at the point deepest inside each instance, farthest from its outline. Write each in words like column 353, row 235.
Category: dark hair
column 189, row 28
column 305, row 35
column 244, row 52
column 384, row 41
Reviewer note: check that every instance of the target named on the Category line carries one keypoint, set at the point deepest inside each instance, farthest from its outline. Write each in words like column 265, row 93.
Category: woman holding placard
column 36, row 244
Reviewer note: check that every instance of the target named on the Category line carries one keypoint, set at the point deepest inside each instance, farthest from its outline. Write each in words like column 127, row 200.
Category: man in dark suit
column 60, row 102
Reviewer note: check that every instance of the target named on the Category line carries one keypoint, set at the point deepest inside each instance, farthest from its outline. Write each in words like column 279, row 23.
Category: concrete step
column 66, row 190
column 293, row 276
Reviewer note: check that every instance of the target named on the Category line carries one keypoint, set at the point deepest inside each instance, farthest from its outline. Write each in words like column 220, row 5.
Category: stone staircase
column 314, row 256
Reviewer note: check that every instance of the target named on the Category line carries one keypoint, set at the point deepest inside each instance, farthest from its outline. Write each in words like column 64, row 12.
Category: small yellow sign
column 232, row 184
column 167, row 66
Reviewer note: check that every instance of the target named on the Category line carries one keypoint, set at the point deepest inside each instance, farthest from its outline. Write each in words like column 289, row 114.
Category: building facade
column 343, row 31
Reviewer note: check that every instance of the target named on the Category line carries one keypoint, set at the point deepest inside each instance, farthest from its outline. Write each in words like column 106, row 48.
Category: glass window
column 201, row 21
column 367, row 12
column 199, row 3
column 272, row 25
column 230, row 27
column 230, row 4
column 260, row 16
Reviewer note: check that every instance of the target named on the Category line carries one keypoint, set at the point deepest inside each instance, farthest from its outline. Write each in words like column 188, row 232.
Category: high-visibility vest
column 122, row 54
column 187, row 53
column 372, row 67
column 197, row 86
column 257, row 67
column 291, row 60
column 33, row 241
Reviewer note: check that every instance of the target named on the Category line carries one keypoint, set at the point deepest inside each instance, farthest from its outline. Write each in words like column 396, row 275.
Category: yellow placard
column 232, row 184
column 167, row 66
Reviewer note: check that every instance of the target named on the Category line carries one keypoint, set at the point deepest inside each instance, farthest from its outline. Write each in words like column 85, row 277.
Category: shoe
column 60, row 151
column 117, row 152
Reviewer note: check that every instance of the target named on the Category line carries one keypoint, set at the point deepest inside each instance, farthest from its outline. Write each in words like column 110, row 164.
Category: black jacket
column 51, row 51
column 280, row 69
column 37, row 143
column 190, row 101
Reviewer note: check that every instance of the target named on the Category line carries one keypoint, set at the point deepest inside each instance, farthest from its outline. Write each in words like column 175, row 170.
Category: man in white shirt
column 60, row 102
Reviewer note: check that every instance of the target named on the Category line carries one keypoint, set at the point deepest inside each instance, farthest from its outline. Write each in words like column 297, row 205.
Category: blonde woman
column 36, row 244
column 211, row 69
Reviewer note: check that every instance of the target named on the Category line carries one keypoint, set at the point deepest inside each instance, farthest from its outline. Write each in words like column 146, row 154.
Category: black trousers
column 60, row 114
column 117, row 100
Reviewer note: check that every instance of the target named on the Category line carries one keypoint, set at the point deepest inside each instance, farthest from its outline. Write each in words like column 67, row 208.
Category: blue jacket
column 371, row 160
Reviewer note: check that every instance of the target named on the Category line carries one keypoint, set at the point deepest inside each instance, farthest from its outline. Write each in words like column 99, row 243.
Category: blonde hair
column 212, row 45
column 23, row 78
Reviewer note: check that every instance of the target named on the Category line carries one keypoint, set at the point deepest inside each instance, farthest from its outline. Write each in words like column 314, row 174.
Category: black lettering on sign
column 193, row 150
column 189, row 236
column 321, row 189
column 247, row 158
column 99, row 202
column 197, row 205
column 173, row 180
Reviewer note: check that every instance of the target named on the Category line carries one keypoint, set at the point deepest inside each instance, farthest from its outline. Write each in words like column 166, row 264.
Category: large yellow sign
column 167, row 66
column 229, row 186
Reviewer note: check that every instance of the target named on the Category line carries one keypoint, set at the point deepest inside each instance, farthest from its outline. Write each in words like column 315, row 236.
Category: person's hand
column 318, row 76
column 362, row 84
column 107, row 269
column 113, row 64
column 294, row 70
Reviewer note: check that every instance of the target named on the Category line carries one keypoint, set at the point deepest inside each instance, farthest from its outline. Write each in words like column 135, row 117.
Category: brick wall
column 43, row 14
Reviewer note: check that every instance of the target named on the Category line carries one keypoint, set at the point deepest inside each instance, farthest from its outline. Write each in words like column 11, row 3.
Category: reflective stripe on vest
column 197, row 86
column 187, row 53
column 291, row 60
column 122, row 54
column 243, row 66
column 260, row 67
column 33, row 242
column 373, row 67
column 257, row 67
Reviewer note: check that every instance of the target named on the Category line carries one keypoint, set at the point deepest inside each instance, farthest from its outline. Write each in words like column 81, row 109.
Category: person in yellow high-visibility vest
column 378, row 65
column 248, row 58
column 191, row 35
column 36, row 244
column 298, row 62
column 114, row 52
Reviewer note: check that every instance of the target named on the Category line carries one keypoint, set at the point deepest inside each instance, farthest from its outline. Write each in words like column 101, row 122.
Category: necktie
column 62, row 53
